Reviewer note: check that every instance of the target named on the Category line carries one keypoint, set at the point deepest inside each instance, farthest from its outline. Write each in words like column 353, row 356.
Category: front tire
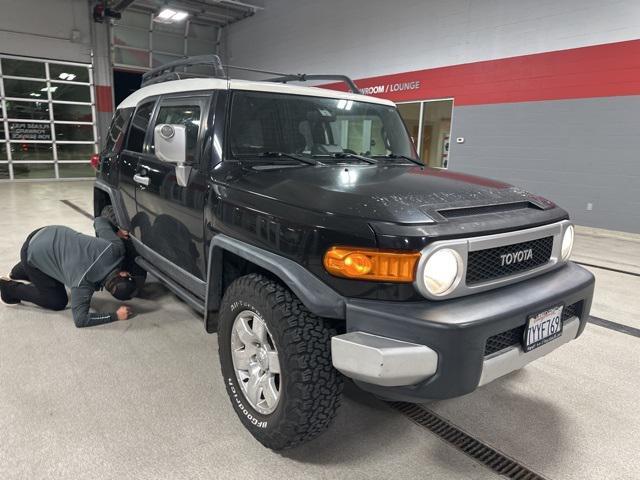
column 276, row 363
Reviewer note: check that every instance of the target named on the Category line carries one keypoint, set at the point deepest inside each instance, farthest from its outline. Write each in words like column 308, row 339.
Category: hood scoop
column 451, row 213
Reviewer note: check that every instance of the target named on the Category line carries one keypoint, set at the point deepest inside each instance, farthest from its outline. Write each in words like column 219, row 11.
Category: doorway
column 429, row 124
column 125, row 82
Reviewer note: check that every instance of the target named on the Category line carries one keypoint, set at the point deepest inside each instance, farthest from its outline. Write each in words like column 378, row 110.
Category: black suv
column 301, row 223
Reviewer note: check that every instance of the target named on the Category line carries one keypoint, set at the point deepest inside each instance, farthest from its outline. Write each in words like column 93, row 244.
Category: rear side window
column 117, row 130
column 187, row 113
column 139, row 126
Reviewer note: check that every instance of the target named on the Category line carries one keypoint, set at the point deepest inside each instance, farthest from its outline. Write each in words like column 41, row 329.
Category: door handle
column 142, row 180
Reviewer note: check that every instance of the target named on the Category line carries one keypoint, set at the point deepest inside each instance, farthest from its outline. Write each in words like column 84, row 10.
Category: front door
column 169, row 215
column 130, row 155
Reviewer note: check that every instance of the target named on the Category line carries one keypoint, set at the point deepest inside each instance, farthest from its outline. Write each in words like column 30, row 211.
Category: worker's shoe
column 5, row 292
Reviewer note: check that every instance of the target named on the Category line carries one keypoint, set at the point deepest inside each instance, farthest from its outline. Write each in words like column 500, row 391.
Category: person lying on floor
column 55, row 256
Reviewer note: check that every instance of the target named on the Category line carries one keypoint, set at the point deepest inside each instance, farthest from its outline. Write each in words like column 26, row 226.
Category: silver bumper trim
column 382, row 361
column 515, row 358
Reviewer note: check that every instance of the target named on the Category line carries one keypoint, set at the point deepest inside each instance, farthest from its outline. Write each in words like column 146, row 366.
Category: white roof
column 193, row 84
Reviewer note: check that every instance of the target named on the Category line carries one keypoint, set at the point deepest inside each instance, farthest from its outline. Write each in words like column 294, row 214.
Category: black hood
column 398, row 194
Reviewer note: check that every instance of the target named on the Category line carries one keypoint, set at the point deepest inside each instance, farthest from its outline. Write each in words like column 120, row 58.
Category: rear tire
column 109, row 214
column 307, row 388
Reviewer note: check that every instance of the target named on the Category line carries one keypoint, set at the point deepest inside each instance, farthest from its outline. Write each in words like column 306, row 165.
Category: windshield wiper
column 405, row 157
column 299, row 158
column 349, row 155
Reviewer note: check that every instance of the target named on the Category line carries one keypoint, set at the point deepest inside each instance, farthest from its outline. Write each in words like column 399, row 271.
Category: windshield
column 264, row 124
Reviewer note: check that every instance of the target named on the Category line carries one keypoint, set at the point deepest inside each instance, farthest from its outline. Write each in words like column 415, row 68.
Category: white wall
column 43, row 29
column 374, row 37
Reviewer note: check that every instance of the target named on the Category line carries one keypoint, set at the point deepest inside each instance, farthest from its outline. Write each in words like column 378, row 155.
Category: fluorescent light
column 66, row 76
column 167, row 13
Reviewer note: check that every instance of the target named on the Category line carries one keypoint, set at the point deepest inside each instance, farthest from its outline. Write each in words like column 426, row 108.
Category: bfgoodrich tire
column 276, row 363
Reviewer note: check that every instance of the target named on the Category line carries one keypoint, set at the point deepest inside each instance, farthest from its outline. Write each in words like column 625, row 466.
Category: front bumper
column 412, row 351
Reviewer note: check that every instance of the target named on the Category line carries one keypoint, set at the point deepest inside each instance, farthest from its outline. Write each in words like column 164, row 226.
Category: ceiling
column 212, row 12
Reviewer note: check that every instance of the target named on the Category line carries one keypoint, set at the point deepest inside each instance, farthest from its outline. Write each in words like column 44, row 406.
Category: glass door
column 429, row 125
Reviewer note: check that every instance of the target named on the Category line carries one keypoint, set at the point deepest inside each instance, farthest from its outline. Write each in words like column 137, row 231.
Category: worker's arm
column 80, row 304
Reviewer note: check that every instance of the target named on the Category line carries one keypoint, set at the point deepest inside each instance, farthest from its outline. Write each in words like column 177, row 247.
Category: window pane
column 161, row 59
column 117, row 129
column 166, row 42
column 33, row 170
column 2, row 135
column 25, row 89
column 70, row 73
column 23, row 68
column 3, row 151
column 31, row 151
column 70, row 93
column 76, row 170
column 74, row 152
column 187, row 115
column 137, row 58
column 128, row 37
column 4, row 171
column 28, row 110
column 71, row 112
column 139, row 126
column 68, row 132
column 29, row 131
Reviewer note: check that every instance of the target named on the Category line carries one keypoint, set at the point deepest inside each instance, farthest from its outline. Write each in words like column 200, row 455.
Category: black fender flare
column 116, row 203
column 318, row 297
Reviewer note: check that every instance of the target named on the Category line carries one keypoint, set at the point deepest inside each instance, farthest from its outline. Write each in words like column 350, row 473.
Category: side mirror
column 171, row 146
column 171, row 143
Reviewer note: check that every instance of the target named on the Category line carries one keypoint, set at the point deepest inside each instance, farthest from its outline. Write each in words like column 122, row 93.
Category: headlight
column 442, row 271
column 567, row 243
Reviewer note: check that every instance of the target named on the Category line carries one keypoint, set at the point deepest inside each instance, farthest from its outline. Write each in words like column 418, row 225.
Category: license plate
column 542, row 328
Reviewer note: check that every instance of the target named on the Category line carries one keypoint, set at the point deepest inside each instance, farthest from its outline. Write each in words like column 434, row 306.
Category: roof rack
column 167, row 72
column 303, row 77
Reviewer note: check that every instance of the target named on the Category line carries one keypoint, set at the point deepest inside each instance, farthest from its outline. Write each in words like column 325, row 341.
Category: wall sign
column 29, row 131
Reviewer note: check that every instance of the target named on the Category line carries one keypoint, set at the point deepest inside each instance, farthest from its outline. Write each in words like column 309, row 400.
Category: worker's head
column 120, row 284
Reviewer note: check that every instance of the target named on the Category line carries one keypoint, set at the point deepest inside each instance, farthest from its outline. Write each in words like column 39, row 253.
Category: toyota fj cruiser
column 301, row 223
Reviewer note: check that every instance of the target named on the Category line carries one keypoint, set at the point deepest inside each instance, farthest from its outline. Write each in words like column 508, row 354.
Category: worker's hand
column 123, row 234
column 123, row 312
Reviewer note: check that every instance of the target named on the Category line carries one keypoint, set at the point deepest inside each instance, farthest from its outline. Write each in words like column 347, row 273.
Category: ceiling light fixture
column 169, row 15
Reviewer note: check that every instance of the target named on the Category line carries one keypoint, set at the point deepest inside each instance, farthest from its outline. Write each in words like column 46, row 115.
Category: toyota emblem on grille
column 516, row 257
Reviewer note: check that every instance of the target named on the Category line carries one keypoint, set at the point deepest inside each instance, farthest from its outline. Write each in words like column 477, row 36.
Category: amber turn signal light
column 371, row 264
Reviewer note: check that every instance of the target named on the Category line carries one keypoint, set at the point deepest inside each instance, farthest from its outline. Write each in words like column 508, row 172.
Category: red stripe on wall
column 104, row 98
column 596, row 71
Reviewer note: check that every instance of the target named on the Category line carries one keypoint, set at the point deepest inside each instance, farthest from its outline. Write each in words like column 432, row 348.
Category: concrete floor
column 144, row 399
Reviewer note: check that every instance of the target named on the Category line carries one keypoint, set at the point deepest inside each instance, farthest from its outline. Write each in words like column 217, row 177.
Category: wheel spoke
column 245, row 333
column 242, row 357
column 259, row 330
column 274, row 363
column 254, row 387
column 269, row 390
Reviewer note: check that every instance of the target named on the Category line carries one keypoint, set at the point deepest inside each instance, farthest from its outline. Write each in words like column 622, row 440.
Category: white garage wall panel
column 56, row 29
column 374, row 37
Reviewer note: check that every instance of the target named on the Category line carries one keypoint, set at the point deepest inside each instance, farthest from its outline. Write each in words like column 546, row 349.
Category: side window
column 117, row 130
column 139, row 125
column 187, row 114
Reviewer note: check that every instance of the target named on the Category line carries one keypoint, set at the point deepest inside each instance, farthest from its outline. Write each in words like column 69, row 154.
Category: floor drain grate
column 483, row 453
